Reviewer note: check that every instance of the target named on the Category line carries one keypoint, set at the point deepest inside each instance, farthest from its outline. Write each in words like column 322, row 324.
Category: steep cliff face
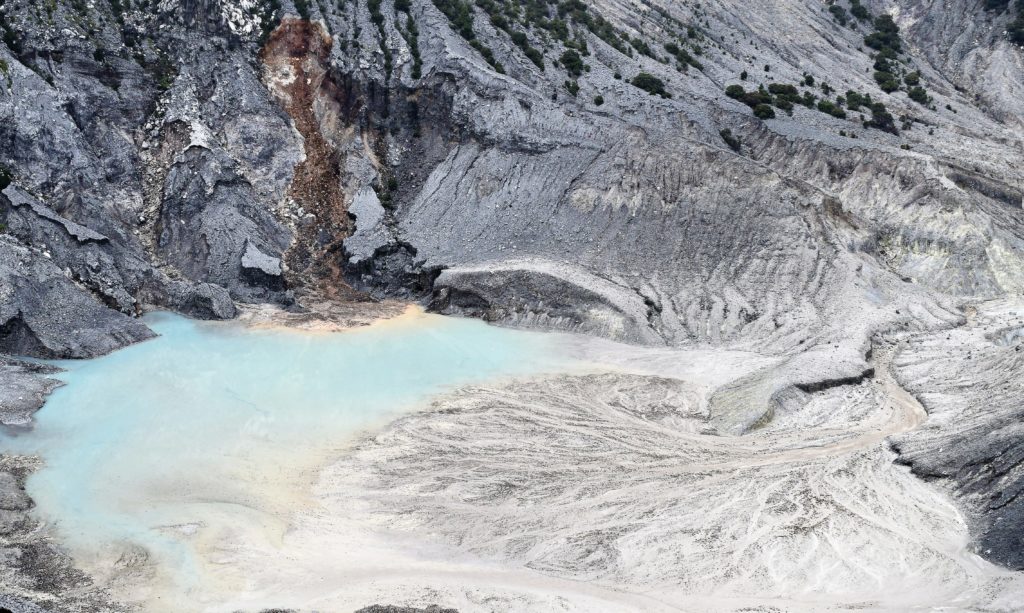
column 581, row 166
column 245, row 145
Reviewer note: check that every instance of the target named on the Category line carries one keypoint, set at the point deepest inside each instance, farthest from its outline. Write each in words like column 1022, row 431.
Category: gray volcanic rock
column 545, row 294
column 23, row 389
column 12, row 496
column 19, row 198
column 969, row 381
column 18, row 605
column 378, row 608
column 44, row 314
column 210, row 221
column 35, row 571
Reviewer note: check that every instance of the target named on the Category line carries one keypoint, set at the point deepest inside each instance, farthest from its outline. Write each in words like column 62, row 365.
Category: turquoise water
column 140, row 442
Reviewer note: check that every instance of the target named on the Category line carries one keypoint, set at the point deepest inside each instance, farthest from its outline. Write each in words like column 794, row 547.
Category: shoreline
column 39, row 573
column 324, row 316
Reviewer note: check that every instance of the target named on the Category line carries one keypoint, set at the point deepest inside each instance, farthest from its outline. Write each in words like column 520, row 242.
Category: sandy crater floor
column 605, row 490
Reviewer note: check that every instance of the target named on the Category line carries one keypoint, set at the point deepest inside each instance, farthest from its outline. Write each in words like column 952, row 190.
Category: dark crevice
column 819, row 386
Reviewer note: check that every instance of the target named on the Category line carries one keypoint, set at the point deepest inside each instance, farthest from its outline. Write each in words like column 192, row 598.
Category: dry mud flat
column 607, row 490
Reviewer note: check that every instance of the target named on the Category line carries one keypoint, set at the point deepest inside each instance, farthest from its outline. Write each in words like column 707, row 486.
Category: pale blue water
column 208, row 412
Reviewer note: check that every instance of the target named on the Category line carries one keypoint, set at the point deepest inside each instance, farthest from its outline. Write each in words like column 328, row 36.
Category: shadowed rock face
column 44, row 314
column 195, row 154
column 968, row 380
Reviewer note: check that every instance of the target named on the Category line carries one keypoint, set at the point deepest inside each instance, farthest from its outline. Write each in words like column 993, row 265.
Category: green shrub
column 831, row 108
column 10, row 37
column 881, row 119
column 784, row 105
column 488, row 55
column 785, row 96
column 857, row 10
column 598, row 100
column 572, row 87
column 412, row 36
column 642, row 47
column 535, row 56
column 650, row 84
column 919, row 95
column 838, row 13
column 887, row 81
column 886, row 36
column 882, row 63
column 683, row 57
column 781, row 89
column 459, row 14
column 5, row 178
column 764, row 111
column 855, row 100
column 753, row 99
column 572, row 61
column 734, row 143
column 912, row 78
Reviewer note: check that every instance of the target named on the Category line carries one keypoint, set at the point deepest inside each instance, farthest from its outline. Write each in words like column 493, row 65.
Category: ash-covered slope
column 789, row 176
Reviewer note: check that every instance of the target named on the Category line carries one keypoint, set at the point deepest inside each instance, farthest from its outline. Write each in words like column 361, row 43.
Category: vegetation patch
column 890, row 73
column 377, row 18
column 859, row 11
column 683, row 57
column 650, row 84
column 733, row 142
column 1015, row 29
column 460, row 15
column 572, row 62
column 839, row 14
column 784, row 96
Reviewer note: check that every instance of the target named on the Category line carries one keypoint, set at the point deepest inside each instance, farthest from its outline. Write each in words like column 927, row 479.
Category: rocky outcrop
column 211, row 221
column 45, row 314
column 23, row 389
column 36, row 574
column 968, row 379
column 545, row 294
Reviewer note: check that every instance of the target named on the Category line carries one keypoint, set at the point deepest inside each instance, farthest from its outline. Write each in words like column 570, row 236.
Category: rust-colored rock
column 296, row 72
